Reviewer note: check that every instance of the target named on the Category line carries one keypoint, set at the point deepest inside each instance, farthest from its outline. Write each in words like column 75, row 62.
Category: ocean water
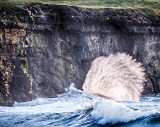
column 76, row 109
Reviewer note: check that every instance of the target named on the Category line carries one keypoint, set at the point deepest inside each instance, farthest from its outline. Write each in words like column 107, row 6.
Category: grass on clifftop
column 146, row 6
column 9, row 7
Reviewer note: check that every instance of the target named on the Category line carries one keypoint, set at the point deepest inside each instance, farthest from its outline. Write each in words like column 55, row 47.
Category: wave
column 75, row 108
column 116, row 76
column 113, row 112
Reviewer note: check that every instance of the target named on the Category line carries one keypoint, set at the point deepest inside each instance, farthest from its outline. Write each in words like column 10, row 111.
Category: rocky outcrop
column 48, row 47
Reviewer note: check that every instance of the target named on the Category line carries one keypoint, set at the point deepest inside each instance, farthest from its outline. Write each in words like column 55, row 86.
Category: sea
column 74, row 108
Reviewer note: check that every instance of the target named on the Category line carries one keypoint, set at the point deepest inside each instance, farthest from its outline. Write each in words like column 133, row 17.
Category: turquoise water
column 76, row 109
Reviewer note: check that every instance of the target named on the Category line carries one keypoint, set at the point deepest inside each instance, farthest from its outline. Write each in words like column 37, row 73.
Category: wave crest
column 111, row 112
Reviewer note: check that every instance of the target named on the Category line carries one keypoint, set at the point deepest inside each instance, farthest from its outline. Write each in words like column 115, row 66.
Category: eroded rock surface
column 48, row 47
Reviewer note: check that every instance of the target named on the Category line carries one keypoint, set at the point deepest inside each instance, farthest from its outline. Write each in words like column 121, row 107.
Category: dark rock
column 53, row 46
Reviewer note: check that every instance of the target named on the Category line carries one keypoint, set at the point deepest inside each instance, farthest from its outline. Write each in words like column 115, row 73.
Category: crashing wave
column 117, row 76
column 112, row 112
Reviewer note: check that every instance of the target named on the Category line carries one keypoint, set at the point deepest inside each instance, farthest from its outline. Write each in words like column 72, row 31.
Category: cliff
column 44, row 48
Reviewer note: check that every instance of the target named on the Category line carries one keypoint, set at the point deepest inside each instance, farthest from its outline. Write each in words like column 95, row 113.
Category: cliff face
column 46, row 47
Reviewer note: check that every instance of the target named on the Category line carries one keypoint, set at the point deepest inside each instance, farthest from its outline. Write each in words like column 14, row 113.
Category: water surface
column 76, row 109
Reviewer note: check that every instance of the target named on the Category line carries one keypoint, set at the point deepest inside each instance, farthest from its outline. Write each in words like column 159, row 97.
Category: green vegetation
column 152, row 67
column 8, row 6
column 146, row 6
column 155, row 4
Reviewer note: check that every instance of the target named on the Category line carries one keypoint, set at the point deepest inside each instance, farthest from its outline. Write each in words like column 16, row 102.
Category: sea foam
column 112, row 112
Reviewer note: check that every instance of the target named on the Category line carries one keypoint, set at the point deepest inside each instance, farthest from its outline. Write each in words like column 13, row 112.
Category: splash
column 117, row 76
